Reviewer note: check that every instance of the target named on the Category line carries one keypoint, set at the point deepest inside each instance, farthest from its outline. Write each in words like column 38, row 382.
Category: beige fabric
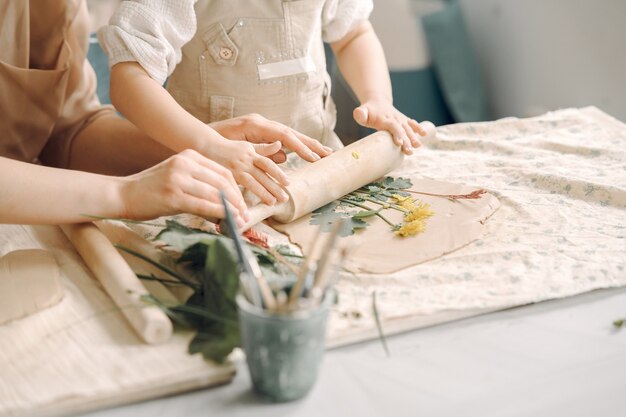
column 47, row 90
column 29, row 282
column 561, row 182
column 218, row 75
column 81, row 354
column 378, row 250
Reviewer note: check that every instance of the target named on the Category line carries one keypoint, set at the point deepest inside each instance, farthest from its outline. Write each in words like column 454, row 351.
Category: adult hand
column 251, row 167
column 257, row 129
column 380, row 114
column 184, row 183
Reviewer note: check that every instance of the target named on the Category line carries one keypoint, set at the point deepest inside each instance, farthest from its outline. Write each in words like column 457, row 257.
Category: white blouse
column 153, row 32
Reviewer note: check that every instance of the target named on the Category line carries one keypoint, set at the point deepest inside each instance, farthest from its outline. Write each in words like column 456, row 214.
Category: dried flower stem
column 386, row 205
column 368, row 208
column 471, row 196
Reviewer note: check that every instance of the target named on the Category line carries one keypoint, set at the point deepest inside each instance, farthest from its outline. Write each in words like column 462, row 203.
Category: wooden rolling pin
column 338, row 174
column 119, row 281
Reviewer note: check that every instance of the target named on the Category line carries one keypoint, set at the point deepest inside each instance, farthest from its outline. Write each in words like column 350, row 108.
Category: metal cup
column 283, row 351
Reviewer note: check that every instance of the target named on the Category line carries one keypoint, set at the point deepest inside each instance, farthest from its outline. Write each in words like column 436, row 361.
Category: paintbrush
column 255, row 286
column 305, row 270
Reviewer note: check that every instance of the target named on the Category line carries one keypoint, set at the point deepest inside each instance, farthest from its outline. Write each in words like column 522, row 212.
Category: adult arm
column 186, row 182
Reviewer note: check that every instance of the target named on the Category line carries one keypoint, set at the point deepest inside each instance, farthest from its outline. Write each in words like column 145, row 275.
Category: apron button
column 226, row 53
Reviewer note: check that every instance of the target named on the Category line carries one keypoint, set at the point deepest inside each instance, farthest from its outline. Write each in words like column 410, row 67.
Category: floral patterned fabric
column 560, row 230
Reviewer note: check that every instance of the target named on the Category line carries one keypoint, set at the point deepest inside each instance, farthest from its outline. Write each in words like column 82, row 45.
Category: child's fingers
column 268, row 166
column 417, row 127
column 400, row 137
column 266, row 149
column 255, row 187
column 270, row 185
column 415, row 142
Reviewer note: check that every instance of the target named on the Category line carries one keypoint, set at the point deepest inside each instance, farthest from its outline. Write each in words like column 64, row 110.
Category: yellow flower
column 404, row 202
column 411, row 228
column 421, row 211
column 415, row 219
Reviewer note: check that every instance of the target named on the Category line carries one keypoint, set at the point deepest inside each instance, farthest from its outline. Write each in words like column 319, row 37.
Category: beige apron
column 47, row 90
column 263, row 57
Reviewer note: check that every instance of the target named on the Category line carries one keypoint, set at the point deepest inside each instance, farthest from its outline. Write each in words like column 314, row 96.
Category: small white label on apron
column 286, row 68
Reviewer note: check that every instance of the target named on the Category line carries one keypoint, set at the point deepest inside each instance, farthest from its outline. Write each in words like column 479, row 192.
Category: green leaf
column 326, row 219
column 220, row 279
column 180, row 241
column 195, row 256
column 216, row 347
column 264, row 257
column 174, row 226
column 398, row 183
column 286, row 250
column 351, row 226
column 381, row 196
column 365, row 214
column 211, row 310
column 328, row 208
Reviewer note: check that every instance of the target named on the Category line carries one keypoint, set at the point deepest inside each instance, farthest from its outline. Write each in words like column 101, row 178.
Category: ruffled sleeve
column 340, row 16
column 150, row 32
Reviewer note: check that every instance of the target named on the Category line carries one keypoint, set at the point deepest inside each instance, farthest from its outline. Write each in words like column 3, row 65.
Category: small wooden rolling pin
column 119, row 281
column 338, row 174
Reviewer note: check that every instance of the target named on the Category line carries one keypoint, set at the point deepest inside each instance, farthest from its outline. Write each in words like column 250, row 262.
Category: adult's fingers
column 303, row 145
column 266, row 149
column 361, row 116
column 213, row 167
column 313, row 144
column 207, row 185
column 214, row 175
column 307, row 148
column 279, row 157
column 205, row 208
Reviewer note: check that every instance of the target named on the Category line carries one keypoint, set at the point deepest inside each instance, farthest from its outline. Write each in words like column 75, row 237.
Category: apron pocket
column 221, row 108
column 221, row 48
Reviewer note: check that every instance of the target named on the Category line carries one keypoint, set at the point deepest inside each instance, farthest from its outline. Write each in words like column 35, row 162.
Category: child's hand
column 382, row 115
column 252, row 168
column 255, row 128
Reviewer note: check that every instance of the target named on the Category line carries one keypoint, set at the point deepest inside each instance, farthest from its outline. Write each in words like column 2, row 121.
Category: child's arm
column 187, row 182
column 151, row 108
column 362, row 62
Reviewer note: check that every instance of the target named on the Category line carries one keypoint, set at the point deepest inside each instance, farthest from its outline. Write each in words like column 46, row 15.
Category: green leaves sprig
column 353, row 208
column 211, row 261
